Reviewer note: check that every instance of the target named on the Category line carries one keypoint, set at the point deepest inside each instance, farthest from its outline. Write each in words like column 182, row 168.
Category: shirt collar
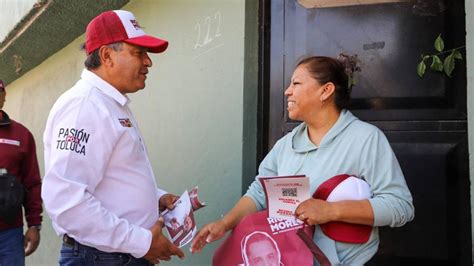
column 104, row 87
column 5, row 119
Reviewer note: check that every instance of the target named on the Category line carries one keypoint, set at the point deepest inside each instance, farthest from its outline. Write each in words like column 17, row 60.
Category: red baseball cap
column 120, row 26
column 344, row 187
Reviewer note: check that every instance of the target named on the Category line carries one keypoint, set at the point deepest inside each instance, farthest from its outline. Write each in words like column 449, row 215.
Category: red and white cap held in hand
column 339, row 188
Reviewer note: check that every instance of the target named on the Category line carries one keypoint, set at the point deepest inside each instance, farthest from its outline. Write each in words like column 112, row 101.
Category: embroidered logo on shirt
column 10, row 141
column 72, row 139
column 125, row 122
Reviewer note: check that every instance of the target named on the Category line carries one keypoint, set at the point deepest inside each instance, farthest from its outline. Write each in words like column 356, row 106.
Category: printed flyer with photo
column 180, row 221
column 284, row 194
column 262, row 240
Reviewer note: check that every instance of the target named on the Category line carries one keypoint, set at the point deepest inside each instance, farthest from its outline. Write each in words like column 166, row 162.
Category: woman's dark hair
column 327, row 69
column 93, row 59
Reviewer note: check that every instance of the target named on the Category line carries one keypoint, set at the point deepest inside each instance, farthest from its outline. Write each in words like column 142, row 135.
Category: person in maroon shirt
column 18, row 157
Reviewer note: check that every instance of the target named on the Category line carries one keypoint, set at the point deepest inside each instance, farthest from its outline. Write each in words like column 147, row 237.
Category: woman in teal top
column 330, row 141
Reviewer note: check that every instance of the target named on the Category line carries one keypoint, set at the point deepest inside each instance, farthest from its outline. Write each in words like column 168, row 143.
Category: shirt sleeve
column 268, row 167
column 391, row 200
column 82, row 139
column 32, row 183
column 160, row 192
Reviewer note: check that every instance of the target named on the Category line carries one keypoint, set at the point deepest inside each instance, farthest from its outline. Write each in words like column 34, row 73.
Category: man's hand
column 161, row 248
column 209, row 233
column 167, row 202
column 32, row 239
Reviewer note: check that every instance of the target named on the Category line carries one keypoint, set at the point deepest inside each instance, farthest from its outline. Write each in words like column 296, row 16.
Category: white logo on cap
column 130, row 24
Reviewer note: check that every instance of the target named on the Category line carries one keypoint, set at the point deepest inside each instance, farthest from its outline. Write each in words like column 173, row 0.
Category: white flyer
column 180, row 221
column 284, row 194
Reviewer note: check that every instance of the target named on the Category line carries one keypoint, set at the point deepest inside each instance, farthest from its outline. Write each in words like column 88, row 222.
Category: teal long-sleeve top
column 351, row 147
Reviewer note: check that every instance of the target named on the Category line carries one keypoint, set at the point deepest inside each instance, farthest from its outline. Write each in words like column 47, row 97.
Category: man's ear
column 105, row 55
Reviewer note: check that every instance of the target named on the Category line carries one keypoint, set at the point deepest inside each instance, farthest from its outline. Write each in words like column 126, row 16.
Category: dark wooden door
column 424, row 119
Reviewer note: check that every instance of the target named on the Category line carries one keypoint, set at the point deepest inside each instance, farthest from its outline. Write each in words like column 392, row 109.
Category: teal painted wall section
column 470, row 99
column 250, row 100
column 191, row 112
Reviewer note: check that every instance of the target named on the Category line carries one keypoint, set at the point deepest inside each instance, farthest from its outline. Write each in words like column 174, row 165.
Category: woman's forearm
column 353, row 211
column 244, row 207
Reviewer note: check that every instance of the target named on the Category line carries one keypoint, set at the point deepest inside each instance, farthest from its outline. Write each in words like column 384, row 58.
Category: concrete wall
column 470, row 99
column 16, row 10
column 190, row 113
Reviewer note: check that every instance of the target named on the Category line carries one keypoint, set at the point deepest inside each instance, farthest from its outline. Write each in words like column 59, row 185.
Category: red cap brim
column 346, row 232
column 153, row 44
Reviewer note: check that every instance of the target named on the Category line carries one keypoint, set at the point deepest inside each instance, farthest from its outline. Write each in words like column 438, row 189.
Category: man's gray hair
column 93, row 60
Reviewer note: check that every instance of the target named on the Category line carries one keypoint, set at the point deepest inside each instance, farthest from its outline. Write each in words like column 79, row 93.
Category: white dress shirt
column 99, row 186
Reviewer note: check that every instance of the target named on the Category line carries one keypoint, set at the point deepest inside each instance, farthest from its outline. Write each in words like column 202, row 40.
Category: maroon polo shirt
column 18, row 156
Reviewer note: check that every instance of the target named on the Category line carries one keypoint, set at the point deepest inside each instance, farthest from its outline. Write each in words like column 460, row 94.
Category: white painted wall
column 190, row 113
column 17, row 9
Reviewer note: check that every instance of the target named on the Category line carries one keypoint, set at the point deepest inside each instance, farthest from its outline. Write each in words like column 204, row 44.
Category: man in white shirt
column 99, row 187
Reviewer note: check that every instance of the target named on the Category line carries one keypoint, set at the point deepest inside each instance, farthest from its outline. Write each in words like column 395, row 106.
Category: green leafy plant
column 437, row 63
column 350, row 67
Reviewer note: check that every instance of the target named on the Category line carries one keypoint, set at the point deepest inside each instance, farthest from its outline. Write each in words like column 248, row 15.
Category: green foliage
column 449, row 64
column 437, row 63
column 421, row 68
column 457, row 54
column 439, row 44
column 350, row 67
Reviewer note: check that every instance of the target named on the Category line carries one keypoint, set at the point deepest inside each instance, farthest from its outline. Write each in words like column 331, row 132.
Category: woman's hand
column 209, row 233
column 216, row 230
column 315, row 211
